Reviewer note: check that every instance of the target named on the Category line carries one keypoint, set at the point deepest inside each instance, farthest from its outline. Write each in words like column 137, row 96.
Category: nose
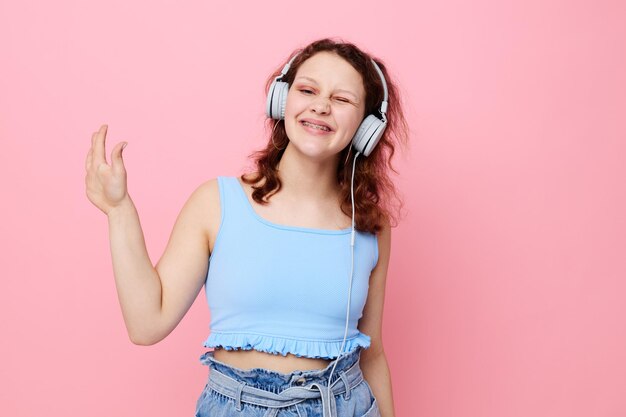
column 320, row 106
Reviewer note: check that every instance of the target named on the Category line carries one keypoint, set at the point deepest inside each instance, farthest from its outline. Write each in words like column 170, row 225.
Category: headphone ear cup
column 270, row 95
column 282, row 100
column 277, row 99
column 368, row 134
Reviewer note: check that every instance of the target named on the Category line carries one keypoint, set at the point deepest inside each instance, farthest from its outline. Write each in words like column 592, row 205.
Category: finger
column 99, row 149
column 117, row 163
column 89, row 159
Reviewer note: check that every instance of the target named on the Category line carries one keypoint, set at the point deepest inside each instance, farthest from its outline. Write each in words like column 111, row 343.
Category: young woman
column 294, row 255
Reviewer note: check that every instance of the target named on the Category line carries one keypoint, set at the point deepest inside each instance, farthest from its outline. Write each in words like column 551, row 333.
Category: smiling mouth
column 314, row 126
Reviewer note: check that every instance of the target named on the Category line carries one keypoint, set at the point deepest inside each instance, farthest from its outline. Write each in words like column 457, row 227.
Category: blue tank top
column 284, row 289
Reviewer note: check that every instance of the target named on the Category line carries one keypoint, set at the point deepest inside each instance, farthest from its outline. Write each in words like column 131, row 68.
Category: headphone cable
column 352, row 238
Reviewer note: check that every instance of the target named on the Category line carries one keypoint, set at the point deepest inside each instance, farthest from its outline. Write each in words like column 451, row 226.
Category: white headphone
column 367, row 135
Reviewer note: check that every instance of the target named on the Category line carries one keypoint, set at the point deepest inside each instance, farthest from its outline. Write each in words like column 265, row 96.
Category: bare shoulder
column 208, row 190
column 206, row 200
column 205, row 194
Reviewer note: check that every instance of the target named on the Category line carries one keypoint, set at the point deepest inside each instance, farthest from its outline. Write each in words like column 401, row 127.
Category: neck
column 306, row 179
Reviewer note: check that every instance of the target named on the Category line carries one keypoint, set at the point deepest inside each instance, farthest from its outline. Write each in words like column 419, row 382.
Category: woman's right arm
column 153, row 299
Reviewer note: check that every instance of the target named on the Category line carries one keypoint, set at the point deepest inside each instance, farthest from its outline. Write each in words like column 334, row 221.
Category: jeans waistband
column 304, row 385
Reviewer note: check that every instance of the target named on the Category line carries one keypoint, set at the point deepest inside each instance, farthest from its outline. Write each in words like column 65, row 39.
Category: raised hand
column 105, row 184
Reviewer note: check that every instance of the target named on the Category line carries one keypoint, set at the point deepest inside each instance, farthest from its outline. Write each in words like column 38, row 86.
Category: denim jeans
column 258, row 392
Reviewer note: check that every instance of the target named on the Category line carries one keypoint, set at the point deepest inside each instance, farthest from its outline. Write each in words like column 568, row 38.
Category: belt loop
column 344, row 378
column 238, row 396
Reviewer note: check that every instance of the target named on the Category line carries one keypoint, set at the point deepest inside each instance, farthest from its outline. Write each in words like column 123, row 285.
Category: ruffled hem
column 281, row 345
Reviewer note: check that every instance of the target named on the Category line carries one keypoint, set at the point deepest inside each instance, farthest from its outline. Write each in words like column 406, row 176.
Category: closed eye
column 304, row 90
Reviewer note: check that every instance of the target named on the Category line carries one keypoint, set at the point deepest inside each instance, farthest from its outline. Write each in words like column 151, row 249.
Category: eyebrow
column 312, row 80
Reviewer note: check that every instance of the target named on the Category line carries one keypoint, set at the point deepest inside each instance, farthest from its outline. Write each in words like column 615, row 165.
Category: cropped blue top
column 284, row 289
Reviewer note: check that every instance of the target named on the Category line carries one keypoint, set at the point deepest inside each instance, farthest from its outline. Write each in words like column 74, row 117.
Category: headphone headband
column 383, row 105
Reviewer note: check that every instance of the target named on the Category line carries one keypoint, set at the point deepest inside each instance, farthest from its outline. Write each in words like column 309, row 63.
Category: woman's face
column 325, row 105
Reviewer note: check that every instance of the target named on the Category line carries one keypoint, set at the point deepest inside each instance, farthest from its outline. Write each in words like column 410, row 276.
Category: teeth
column 316, row 126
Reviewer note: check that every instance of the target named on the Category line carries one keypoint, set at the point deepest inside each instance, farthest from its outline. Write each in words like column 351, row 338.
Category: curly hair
column 374, row 192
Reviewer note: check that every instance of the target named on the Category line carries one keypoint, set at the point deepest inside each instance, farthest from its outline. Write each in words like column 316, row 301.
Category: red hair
column 376, row 198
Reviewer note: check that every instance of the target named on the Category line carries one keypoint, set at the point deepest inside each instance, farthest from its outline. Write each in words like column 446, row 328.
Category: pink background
column 506, row 288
